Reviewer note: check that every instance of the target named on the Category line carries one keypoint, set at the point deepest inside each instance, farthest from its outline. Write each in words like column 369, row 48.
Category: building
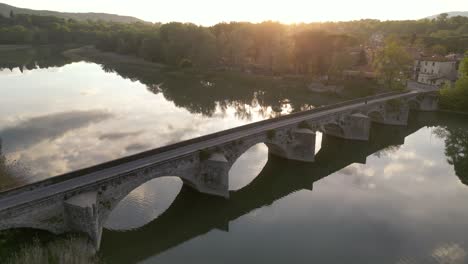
column 436, row 70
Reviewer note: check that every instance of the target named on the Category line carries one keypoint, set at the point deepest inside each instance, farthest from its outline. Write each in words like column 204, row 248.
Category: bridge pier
column 300, row 148
column 353, row 127
column 213, row 176
column 81, row 215
column 397, row 117
column 429, row 103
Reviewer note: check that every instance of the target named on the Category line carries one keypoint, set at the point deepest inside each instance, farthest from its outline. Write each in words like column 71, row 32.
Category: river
column 399, row 198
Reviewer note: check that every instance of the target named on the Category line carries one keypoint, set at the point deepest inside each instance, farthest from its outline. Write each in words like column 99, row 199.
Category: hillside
column 6, row 9
column 452, row 14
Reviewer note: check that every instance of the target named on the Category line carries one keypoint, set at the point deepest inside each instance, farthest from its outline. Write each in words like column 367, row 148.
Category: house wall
column 430, row 70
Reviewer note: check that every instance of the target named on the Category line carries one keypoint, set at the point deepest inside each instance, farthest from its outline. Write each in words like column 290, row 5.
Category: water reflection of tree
column 4, row 175
column 456, row 150
column 7, row 180
column 33, row 58
column 226, row 90
column 387, row 151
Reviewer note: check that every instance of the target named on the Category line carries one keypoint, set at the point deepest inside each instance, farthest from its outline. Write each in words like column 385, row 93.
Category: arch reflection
column 144, row 204
column 248, row 166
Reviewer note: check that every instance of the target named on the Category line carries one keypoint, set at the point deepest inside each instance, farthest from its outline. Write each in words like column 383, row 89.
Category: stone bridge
column 81, row 201
column 279, row 178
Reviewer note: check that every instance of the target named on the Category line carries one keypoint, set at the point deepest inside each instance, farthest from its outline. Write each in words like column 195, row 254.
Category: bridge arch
column 110, row 197
column 238, row 148
column 144, row 203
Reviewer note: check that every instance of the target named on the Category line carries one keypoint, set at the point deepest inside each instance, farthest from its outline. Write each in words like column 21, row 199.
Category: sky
column 209, row 12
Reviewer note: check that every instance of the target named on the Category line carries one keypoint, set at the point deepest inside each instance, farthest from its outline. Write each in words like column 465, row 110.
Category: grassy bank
column 455, row 98
column 72, row 250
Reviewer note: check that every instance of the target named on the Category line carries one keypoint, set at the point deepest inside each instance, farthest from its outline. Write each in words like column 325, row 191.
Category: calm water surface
column 399, row 198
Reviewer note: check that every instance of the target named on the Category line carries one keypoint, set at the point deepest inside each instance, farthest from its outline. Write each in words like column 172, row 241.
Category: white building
column 435, row 70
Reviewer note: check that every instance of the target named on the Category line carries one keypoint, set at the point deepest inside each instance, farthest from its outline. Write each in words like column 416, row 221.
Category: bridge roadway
column 15, row 200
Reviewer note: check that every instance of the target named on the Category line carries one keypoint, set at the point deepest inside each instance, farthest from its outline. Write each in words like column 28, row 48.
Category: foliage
column 456, row 150
column 356, row 88
column 6, row 10
column 392, row 64
column 456, row 98
column 439, row 50
column 362, row 60
column 315, row 49
column 185, row 63
column 72, row 250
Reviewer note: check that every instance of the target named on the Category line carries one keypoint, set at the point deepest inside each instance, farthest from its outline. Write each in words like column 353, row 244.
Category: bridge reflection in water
column 193, row 214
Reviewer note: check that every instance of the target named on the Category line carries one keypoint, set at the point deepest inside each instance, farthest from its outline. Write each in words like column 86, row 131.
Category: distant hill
column 452, row 14
column 5, row 11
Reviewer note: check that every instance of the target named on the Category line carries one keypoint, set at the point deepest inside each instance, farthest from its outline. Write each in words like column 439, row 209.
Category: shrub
column 72, row 250
column 185, row 63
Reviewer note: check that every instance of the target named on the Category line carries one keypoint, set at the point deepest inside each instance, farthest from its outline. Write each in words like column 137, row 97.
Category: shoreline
column 452, row 112
column 14, row 47
column 90, row 53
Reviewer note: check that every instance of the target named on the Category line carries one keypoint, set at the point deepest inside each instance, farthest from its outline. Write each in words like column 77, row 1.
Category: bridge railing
column 116, row 162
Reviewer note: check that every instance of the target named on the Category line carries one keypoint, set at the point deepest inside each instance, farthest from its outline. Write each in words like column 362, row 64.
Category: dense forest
column 316, row 48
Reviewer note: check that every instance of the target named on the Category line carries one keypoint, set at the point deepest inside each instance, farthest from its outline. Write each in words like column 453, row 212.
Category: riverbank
column 145, row 71
column 76, row 250
column 453, row 112
column 14, row 47
column 90, row 53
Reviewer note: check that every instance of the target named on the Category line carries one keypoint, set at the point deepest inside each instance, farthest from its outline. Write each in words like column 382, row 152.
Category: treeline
column 317, row 48
column 456, row 98
column 42, row 57
column 37, row 30
column 268, row 46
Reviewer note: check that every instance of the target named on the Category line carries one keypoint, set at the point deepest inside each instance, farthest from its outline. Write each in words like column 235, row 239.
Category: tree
column 442, row 17
column 464, row 67
column 439, row 50
column 456, row 98
column 340, row 62
column 362, row 60
column 392, row 64
column 313, row 50
column 456, row 150
column 151, row 49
